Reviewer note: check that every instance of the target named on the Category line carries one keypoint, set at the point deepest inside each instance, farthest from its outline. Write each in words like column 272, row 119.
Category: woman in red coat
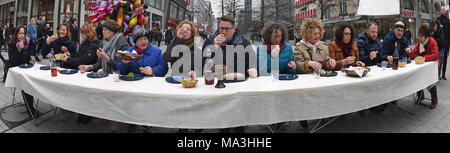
column 428, row 48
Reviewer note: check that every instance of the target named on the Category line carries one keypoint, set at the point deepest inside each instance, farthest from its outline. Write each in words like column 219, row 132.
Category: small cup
column 54, row 71
column 317, row 73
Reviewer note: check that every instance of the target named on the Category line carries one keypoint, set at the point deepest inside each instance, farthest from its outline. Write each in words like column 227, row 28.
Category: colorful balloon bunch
column 129, row 14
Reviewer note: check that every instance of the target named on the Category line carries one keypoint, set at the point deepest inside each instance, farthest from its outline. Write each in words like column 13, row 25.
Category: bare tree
column 233, row 7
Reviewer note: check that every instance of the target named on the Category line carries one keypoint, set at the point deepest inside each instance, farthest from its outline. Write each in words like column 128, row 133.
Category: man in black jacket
column 228, row 35
column 369, row 46
column 443, row 19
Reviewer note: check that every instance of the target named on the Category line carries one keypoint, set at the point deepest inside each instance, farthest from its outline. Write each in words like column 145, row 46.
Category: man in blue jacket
column 369, row 46
column 33, row 37
column 396, row 35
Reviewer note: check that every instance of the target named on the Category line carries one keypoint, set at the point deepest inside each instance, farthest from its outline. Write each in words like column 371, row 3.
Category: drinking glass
column 384, row 65
column 317, row 73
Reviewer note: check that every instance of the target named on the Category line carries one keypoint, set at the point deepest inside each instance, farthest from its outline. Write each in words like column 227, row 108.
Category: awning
column 346, row 19
column 378, row 7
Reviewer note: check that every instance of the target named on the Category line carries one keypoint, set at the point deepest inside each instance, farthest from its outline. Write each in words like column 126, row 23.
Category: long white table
column 154, row 102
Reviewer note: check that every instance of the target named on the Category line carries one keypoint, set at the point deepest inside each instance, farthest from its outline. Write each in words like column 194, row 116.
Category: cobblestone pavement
column 393, row 120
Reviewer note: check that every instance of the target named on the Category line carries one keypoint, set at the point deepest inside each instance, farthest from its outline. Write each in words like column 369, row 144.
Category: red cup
column 54, row 71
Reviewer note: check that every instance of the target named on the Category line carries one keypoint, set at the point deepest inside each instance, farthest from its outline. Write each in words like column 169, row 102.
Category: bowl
column 59, row 56
column 420, row 60
column 189, row 83
column 352, row 73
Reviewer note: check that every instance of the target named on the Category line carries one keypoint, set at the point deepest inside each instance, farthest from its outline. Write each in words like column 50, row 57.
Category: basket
column 420, row 60
column 189, row 83
column 354, row 74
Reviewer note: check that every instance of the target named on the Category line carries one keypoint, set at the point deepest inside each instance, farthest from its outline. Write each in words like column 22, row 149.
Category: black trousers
column 28, row 99
column 445, row 62
column 40, row 44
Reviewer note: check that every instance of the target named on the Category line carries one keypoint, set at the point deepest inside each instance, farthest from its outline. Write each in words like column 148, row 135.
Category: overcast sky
column 216, row 6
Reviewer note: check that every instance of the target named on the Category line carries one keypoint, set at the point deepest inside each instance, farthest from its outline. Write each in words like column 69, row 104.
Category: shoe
column 444, row 78
column 434, row 104
column 378, row 109
column 115, row 127
column 304, row 124
column 420, row 98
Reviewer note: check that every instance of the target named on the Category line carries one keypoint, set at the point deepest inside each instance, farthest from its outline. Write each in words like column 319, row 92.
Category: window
column 173, row 11
column 437, row 9
column 408, row 5
column 424, row 6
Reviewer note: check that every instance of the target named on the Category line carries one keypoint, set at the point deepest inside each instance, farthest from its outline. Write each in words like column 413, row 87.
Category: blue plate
column 25, row 66
column 46, row 67
column 68, row 71
column 333, row 73
column 388, row 66
column 235, row 81
column 287, row 76
column 136, row 77
column 176, row 79
column 96, row 75
column 409, row 61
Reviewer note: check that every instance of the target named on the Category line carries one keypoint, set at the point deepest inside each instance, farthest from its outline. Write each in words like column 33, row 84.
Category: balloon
column 141, row 19
column 133, row 22
column 92, row 8
column 137, row 3
column 125, row 25
column 127, row 18
column 93, row 15
column 120, row 16
column 135, row 28
column 131, row 41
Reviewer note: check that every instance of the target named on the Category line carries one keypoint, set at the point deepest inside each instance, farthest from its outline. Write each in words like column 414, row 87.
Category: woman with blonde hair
column 184, row 35
column 310, row 53
column 86, row 54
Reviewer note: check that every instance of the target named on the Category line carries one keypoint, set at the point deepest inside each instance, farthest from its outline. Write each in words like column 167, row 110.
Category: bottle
column 395, row 58
column 208, row 74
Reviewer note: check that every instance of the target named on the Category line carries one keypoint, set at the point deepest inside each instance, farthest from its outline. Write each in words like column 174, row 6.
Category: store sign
column 306, row 14
column 21, row 14
column 12, row 9
column 408, row 13
column 172, row 22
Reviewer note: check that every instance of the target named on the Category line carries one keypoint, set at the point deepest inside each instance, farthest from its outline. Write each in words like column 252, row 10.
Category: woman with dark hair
column 275, row 46
column 18, row 54
column 343, row 49
column 427, row 48
column 112, row 42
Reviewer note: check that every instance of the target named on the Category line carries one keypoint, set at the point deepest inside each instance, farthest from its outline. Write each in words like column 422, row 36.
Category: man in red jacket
column 428, row 48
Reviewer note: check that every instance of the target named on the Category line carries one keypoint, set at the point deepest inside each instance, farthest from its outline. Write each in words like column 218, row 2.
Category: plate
column 388, row 66
column 136, row 77
column 45, row 67
column 25, row 66
column 235, row 81
column 96, row 75
column 333, row 73
column 176, row 79
column 68, row 71
column 287, row 76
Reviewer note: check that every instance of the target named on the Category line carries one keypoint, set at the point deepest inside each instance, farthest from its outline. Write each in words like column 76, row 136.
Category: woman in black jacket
column 19, row 54
column 185, row 33
column 87, row 53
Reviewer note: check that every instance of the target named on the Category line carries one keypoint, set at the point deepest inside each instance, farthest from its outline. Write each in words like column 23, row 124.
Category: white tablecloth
column 154, row 102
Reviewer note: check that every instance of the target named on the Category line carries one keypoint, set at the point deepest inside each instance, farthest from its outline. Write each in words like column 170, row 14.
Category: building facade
column 177, row 11
column 412, row 13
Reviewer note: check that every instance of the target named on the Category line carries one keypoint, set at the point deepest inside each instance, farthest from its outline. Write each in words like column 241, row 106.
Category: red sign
column 408, row 13
column 172, row 22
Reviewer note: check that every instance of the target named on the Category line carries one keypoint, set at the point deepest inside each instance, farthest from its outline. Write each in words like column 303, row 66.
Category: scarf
column 346, row 48
column 311, row 46
column 109, row 48
column 422, row 46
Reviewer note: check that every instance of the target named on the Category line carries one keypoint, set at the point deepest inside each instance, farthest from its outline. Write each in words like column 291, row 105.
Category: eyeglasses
column 347, row 34
column 226, row 29
column 277, row 36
